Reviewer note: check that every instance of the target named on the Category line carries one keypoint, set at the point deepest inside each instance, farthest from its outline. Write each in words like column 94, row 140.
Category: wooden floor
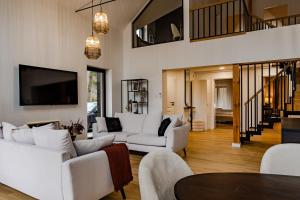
column 209, row 151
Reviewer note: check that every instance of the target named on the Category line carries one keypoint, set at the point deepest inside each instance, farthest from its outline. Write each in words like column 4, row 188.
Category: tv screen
column 42, row 86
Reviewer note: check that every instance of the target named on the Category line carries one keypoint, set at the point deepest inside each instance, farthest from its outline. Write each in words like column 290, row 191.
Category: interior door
column 171, row 95
column 200, row 95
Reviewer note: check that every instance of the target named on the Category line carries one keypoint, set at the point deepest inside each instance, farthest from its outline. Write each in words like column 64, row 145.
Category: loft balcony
column 229, row 18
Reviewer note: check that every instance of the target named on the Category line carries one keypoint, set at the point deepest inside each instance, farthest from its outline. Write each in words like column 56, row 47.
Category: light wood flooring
column 209, row 151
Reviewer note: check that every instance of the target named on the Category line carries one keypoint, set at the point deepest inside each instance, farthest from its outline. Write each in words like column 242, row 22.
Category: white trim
column 236, row 145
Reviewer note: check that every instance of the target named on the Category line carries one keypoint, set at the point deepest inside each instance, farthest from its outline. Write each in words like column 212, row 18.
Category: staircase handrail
column 260, row 90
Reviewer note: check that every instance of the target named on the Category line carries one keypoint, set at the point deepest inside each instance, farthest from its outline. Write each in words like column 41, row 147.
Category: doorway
column 96, row 104
column 223, row 103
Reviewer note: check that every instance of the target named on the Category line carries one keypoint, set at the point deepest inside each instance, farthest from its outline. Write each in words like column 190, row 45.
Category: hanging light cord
column 100, row 5
column 92, row 17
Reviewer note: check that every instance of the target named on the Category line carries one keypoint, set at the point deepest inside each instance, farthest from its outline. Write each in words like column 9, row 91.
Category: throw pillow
column 101, row 124
column 176, row 122
column 89, row 146
column 1, row 132
column 113, row 124
column 7, row 129
column 47, row 126
column 59, row 140
column 23, row 136
column 163, row 127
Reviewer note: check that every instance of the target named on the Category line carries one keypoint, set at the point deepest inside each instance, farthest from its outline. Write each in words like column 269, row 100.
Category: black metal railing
column 284, row 21
column 229, row 18
column 266, row 90
column 218, row 20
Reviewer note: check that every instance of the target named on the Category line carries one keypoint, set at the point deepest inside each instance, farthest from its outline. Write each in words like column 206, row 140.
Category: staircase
column 268, row 92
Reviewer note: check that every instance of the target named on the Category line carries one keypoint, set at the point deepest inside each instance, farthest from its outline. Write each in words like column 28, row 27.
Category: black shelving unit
column 135, row 96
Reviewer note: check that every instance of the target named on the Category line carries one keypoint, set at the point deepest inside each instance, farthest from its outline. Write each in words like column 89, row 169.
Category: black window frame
column 133, row 31
column 103, row 71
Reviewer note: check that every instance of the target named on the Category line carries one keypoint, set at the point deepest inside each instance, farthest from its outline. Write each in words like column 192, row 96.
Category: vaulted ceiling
column 120, row 12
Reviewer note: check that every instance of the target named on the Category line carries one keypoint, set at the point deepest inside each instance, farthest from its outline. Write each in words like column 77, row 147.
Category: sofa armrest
column 178, row 138
column 87, row 177
column 32, row 169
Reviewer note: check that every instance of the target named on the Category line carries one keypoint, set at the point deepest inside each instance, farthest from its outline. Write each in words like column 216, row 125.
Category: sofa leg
column 123, row 193
column 184, row 151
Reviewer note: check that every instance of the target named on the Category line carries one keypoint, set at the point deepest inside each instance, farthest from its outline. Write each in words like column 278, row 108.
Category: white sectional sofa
column 140, row 133
column 48, row 175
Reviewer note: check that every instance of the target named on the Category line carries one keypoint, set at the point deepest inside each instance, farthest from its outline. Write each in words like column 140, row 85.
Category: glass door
column 96, row 105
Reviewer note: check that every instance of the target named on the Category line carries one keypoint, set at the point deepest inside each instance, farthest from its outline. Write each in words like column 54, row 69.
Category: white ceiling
column 120, row 12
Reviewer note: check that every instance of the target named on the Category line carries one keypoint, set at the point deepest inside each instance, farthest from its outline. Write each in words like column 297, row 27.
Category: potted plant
column 74, row 128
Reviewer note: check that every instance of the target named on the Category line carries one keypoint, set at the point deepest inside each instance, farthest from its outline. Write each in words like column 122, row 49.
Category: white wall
column 47, row 34
column 148, row 62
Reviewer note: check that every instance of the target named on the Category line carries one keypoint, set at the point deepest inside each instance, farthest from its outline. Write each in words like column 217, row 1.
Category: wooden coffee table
column 238, row 186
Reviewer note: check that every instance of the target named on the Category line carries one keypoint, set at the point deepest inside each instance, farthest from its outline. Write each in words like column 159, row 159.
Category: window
column 96, row 105
column 159, row 22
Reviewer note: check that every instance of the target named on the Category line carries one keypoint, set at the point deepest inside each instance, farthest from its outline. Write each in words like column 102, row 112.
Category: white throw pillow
column 23, row 136
column 152, row 123
column 47, row 126
column 101, row 124
column 175, row 122
column 7, row 129
column 59, row 140
column 89, row 146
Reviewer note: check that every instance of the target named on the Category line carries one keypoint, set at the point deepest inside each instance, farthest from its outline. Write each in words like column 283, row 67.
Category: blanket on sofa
column 119, row 163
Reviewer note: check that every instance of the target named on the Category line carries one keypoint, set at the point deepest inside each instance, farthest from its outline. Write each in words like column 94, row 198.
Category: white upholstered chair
column 282, row 159
column 158, row 173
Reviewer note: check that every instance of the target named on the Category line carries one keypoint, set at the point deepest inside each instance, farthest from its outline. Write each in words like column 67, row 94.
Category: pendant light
column 100, row 22
column 92, row 45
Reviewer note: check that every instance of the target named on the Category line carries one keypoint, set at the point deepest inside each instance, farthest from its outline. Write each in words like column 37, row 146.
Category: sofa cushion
column 89, row 146
column 101, row 124
column 147, row 139
column 152, row 123
column 113, row 124
column 59, row 140
column 119, row 136
column 131, row 123
column 47, row 126
column 7, row 129
column 24, row 136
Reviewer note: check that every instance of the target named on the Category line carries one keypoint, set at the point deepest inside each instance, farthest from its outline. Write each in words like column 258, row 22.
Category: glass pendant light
column 100, row 22
column 92, row 45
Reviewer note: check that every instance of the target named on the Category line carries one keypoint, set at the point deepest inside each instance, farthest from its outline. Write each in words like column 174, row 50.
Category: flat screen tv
column 43, row 86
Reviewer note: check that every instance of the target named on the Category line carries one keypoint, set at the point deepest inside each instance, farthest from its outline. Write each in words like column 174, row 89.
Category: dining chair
column 158, row 173
column 282, row 159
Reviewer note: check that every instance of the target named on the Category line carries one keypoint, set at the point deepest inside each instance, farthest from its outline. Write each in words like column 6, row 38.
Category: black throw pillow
column 113, row 124
column 163, row 127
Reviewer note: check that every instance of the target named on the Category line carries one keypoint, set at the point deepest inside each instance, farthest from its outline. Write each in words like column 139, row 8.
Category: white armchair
column 282, row 159
column 158, row 173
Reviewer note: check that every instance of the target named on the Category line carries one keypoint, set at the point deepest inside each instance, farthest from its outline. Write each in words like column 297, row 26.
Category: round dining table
column 238, row 186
